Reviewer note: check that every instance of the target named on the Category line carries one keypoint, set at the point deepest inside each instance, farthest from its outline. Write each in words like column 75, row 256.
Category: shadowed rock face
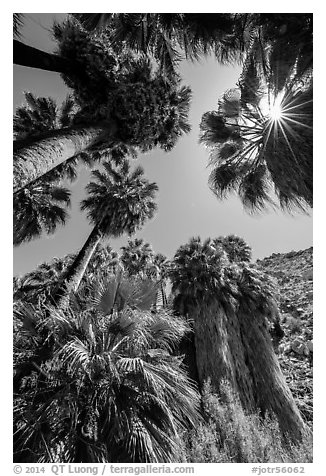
column 294, row 272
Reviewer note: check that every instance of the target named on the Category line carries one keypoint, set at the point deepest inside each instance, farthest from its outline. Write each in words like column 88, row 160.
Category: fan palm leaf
column 39, row 209
column 114, row 391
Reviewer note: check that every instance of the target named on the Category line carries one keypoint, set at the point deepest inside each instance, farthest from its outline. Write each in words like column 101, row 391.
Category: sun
column 276, row 110
column 272, row 107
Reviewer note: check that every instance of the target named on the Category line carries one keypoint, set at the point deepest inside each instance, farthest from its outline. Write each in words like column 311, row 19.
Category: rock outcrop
column 294, row 272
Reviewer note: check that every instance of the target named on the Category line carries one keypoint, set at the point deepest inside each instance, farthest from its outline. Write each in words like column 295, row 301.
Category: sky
column 186, row 206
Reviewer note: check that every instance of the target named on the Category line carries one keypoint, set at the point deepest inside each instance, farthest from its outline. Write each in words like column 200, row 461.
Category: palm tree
column 25, row 55
column 112, row 390
column 104, row 261
column 119, row 201
column 136, row 256
column 41, row 114
column 216, row 295
column 41, row 206
column 37, row 285
column 38, row 116
column 253, row 150
column 122, row 101
column 159, row 270
column 235, row 247
column 260, row 136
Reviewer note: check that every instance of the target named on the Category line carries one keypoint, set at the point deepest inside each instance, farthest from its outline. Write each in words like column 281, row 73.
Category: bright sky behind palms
column 186, row 205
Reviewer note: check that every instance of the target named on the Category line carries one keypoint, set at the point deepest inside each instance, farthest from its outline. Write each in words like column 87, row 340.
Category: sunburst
column 284, row 113
column 272, row 107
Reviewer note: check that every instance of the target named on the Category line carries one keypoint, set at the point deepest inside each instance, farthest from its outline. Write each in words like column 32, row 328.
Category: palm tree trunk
column 25, row 55
column 45, row 177
column 236, row 346
column 219, row 350
column 72, row 278
column 271, row 391
column 35, row 157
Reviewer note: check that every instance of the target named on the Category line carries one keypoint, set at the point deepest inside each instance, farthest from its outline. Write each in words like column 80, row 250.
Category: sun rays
column 285, row 114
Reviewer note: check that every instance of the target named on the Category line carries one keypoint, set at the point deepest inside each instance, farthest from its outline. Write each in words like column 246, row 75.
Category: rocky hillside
column 294, row 272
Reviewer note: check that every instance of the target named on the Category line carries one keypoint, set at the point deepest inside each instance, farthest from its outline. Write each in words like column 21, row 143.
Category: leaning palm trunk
column 57, row 171
column 35, row 157
column 25, row 55
column 72, row 278
column 236, row 346
column 271, row 391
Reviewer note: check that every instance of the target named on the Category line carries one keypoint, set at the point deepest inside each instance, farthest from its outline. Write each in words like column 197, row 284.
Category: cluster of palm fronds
column 251, row 152
column 170, row 37
column 105, row 385
column 123, row 87
column 219, row 269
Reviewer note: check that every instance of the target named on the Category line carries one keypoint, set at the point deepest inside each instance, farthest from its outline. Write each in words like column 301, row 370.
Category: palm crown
column 235, row 247
column 216, row 270
column 136, row 256
column 120, row 200
column 123, row 87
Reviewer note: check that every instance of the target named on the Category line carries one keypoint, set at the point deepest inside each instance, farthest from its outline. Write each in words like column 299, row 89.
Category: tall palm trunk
column 219, row 350
column 48, row 176
column 236, row 346
column 35, row 157
column 271, row 391
column 25, row 55
column 72, row 278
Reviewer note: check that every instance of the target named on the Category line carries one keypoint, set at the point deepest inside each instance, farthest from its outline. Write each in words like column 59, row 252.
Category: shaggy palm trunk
column 25, row 55
column 35, row 157
column 236, row 346
column 72, row 278
column 219, row 350
column 271, row 391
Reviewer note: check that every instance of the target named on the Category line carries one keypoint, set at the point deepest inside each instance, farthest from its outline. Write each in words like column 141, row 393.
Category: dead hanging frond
column 224, row 179
column 260, row 288
column 254, row 189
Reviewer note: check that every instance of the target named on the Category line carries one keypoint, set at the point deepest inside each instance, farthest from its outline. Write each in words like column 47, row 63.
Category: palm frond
column 18, row 22
column 254, row 189
column 38, row 209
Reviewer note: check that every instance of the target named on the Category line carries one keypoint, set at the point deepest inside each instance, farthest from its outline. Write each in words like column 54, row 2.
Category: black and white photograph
column 162, row 240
